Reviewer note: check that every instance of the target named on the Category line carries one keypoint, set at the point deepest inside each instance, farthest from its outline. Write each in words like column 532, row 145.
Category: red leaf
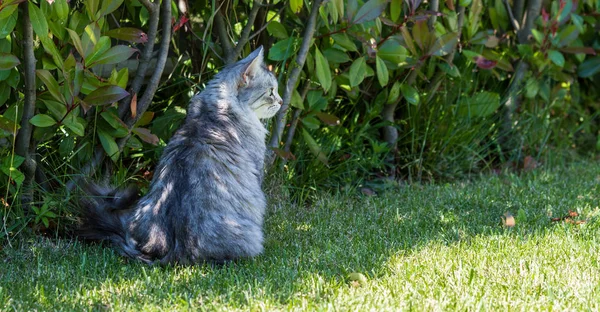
column 182, row 21
column 133, row 105
column 484, row 63
column 328, row 119
column 128, row 34
column 146, row 135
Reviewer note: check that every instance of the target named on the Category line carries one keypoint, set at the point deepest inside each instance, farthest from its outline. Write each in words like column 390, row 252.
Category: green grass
column 421, row 247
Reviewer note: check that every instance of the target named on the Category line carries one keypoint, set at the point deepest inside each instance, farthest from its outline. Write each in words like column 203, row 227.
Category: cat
column 205, row 202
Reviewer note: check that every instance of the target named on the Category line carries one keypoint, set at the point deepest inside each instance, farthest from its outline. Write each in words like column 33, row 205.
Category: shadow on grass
column 309, row 252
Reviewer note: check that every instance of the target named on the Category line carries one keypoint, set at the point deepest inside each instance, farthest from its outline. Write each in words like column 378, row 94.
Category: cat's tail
column 105, row 214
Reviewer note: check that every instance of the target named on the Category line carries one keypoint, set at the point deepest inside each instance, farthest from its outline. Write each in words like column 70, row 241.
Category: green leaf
column 314, row 146
column 296, row 100
column 128, row 34
column 351, row 8
column 109, row 6
column 90, row 38
column 58, row 110
column 323, row 71
column 78, row 79
column 8, row 125
column 589, row 68
column 481, row 104
column 567, row 35
column 110, row 146
column 8, row 61
column 342, row 40
column 537, row 35
column 92, row 8
column 565, row 11
column 38, row 21
column 328, row 118
column 311, row 122
column 382, row 72
column 76, row 42
column 146, row 135
column 50, row 83
column 336, row 56
column 410, row 94
column 395, row 9
column 393, row 52
column 8, row 23
column 277, row 30
column 421, row 35
column 101, row 47
column 75, row 124
column 556, row 58
column 358, row 70
column 114, row 55
column 7, row 10
column 370, row 10
column 444, row 44
column 296, row 6
column 106, row 95
column 113, row 120
column 394, row 93
column 61, row 9
column 42, row 121
column 284, row 49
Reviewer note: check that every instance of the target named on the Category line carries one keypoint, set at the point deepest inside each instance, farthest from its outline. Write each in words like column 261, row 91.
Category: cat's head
column 257, row 86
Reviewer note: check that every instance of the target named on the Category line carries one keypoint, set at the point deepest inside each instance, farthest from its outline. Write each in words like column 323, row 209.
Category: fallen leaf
column 508, row 220
column 367, row 191
column 529, row 163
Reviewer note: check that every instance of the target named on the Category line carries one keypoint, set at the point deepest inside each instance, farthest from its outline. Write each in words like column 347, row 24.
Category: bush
column 372, row 89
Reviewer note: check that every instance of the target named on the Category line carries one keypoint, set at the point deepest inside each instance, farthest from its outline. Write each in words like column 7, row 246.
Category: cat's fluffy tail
column 105, row 214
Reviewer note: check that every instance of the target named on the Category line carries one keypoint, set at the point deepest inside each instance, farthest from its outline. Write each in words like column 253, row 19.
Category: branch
column 518, row 6
column 163, row 52
column 246, row 31
column 256, row 33
column 533, row 11
column 513, row 21
column 307, row 36
column 221, row 30
column 136, row 85
column 434, row 5
column 295, row 117
column 23, row 140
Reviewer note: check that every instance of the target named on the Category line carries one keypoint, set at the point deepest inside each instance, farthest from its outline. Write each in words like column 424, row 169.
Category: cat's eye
column 272, row 91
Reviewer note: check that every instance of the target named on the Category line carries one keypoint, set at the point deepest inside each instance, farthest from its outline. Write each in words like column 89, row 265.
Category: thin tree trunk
column 307, row 36
column 24, row 146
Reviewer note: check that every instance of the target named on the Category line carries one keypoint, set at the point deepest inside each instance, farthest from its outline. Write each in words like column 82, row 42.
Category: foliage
column 374, row 90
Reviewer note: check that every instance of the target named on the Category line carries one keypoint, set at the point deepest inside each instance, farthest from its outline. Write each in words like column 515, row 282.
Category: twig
column 246, row 31
column 256, row 33
column 136, row 84
column 533, row 11
column 307, row 36
column 221, row 30
column 163, row 52
column 511, row 17
column 23, row 141
column 434, row 5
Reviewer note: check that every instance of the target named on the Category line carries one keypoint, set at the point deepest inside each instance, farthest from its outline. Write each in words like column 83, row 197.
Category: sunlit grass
column 423, row 247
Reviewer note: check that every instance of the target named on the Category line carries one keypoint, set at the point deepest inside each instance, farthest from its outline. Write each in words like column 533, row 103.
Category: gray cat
column 205, row 202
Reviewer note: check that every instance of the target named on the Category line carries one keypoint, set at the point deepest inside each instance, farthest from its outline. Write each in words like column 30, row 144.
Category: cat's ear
column 252, row 64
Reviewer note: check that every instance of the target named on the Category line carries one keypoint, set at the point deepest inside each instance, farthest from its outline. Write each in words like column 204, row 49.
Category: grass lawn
column 429, row 247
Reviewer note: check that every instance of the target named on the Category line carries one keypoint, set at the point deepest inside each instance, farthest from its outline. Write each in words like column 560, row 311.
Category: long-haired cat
column 205, row 202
